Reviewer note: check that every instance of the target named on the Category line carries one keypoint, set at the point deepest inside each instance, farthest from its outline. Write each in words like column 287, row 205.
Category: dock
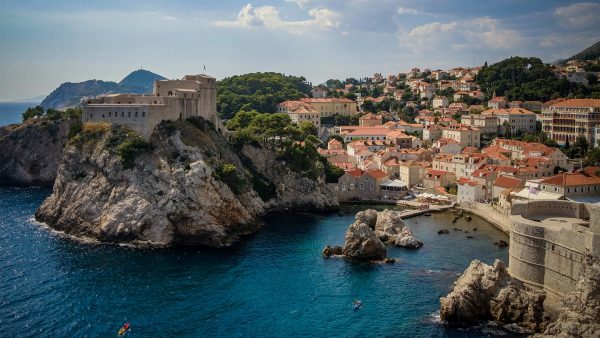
column 416, row 212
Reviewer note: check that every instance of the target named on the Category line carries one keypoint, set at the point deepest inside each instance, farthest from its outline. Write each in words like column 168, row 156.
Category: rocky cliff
column 30, row 152
column 186, row 187
column 485, row 292
column 579, row 314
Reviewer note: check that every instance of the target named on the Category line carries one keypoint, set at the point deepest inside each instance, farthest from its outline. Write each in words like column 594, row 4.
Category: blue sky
column 45, row 43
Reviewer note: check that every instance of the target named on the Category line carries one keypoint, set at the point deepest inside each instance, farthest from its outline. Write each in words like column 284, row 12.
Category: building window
column 143, row 114
column 128, row 114
column 109, row 114
column 122, row 114
column 136, row 114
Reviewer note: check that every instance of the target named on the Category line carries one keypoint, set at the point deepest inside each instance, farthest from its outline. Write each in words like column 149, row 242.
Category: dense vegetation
column 296, row 145
column 258, row 91
column 526, row 79
column 51, row 114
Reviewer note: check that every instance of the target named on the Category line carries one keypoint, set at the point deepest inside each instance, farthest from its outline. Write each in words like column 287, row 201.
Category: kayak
column 124, row 329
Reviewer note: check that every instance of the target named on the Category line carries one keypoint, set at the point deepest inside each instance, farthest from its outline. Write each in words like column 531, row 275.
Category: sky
column 45, row 43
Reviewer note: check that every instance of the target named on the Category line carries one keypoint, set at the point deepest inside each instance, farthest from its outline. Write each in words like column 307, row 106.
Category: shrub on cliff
column 130, row 149
column 227, row 173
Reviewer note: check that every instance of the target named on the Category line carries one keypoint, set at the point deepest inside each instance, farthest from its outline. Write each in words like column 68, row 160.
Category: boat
column 123, row 330
column 357, row 304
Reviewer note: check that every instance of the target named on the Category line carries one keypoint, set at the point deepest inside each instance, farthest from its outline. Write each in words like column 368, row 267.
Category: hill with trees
column 258, row 91
column 69, row 94
column 590, row 53
column 522, row 78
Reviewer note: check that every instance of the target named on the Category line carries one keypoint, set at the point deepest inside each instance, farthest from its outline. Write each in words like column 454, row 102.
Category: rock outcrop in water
column 366, row 238
column 486, row 292
column 362, row 244
column 187, row 187
column 30, row 152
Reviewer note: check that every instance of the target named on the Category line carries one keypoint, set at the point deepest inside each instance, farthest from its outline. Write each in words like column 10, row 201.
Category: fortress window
column 128, row 114
column 136, row 114
column 109, row 114
column 143, row 114
column 122, row 114
column 91, row 115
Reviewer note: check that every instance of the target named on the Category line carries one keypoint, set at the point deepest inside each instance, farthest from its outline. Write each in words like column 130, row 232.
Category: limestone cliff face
column 485, row 292
column 173, row 195
column 579, row 314
column 30, row 152
column 293, row 191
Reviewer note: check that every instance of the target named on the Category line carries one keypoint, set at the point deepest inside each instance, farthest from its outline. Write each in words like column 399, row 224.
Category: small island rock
column 362, row 244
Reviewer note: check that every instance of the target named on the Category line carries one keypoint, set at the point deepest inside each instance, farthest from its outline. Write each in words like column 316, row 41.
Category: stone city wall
column 550, row 256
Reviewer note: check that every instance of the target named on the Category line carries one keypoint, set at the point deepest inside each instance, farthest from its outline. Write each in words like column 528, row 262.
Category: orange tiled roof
column 378, row 173
column 568, row 179
column 507, row 182
column 578, row 103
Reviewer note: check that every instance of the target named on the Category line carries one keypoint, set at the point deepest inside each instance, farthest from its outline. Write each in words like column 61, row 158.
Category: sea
column 11, row 112
column 275, row 283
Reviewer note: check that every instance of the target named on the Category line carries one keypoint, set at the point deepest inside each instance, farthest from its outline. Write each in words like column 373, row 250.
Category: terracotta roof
column 355, row 172
column 378, row 174
column 464, row 180
column 578, row 103
column 368, row 131
column 509, row 111
column 327, row 100
column 498, row 99
column 568, row 179
column 334, row 141
column 507, row 182
column 371, row 116
column 397, row 134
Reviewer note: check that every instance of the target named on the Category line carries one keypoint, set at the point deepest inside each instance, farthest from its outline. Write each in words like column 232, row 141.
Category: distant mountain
column 141, row 80
column 590, row 53
column 69, row 94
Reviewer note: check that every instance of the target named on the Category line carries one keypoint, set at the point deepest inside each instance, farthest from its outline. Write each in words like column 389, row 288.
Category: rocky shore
column 366, row 238
column 484, row 293
column 185, row 187
column 30, row 152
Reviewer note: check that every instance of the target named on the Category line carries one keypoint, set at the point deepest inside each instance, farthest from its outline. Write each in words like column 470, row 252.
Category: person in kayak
column 124, row 329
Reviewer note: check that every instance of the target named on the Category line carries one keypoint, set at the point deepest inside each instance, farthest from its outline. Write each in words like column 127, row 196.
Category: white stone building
column 193, row 95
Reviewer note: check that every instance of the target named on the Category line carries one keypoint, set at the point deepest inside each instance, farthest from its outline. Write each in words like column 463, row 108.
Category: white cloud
column 408, row 11
column 478, row 33
column 300, row 3
column 268, row 17
column 580, row 15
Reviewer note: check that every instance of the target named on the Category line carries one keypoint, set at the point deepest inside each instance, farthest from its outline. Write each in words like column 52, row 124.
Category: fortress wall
column 550, row 256
column 542, row 209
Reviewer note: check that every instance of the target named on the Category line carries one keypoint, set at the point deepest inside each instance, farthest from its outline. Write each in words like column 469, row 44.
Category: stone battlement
column 548, row 243
column 194, row 95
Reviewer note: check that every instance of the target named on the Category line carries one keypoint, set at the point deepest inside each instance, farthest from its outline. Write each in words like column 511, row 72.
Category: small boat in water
column 357, row 304
column 123, row 330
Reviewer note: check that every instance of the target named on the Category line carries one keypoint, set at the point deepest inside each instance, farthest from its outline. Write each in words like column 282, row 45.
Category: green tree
column 258, row 91
column 308, row 128
column 241, row 120
column 31, row 112
column 582, row 144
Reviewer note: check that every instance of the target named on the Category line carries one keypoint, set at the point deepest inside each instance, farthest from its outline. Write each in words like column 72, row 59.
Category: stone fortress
column 193, row 95
column 548, row 243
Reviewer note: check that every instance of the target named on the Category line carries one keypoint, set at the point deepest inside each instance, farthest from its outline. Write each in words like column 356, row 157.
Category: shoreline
column 488, row 213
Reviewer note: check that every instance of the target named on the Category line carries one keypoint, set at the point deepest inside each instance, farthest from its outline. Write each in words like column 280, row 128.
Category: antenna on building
column 204, row 69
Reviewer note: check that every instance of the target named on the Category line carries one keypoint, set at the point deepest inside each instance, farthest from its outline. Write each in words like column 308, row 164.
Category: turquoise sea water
column 274, row 284
column 11, row 112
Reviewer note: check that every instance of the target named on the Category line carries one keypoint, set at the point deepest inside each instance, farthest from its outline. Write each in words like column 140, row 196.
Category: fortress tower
column 193, row 95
